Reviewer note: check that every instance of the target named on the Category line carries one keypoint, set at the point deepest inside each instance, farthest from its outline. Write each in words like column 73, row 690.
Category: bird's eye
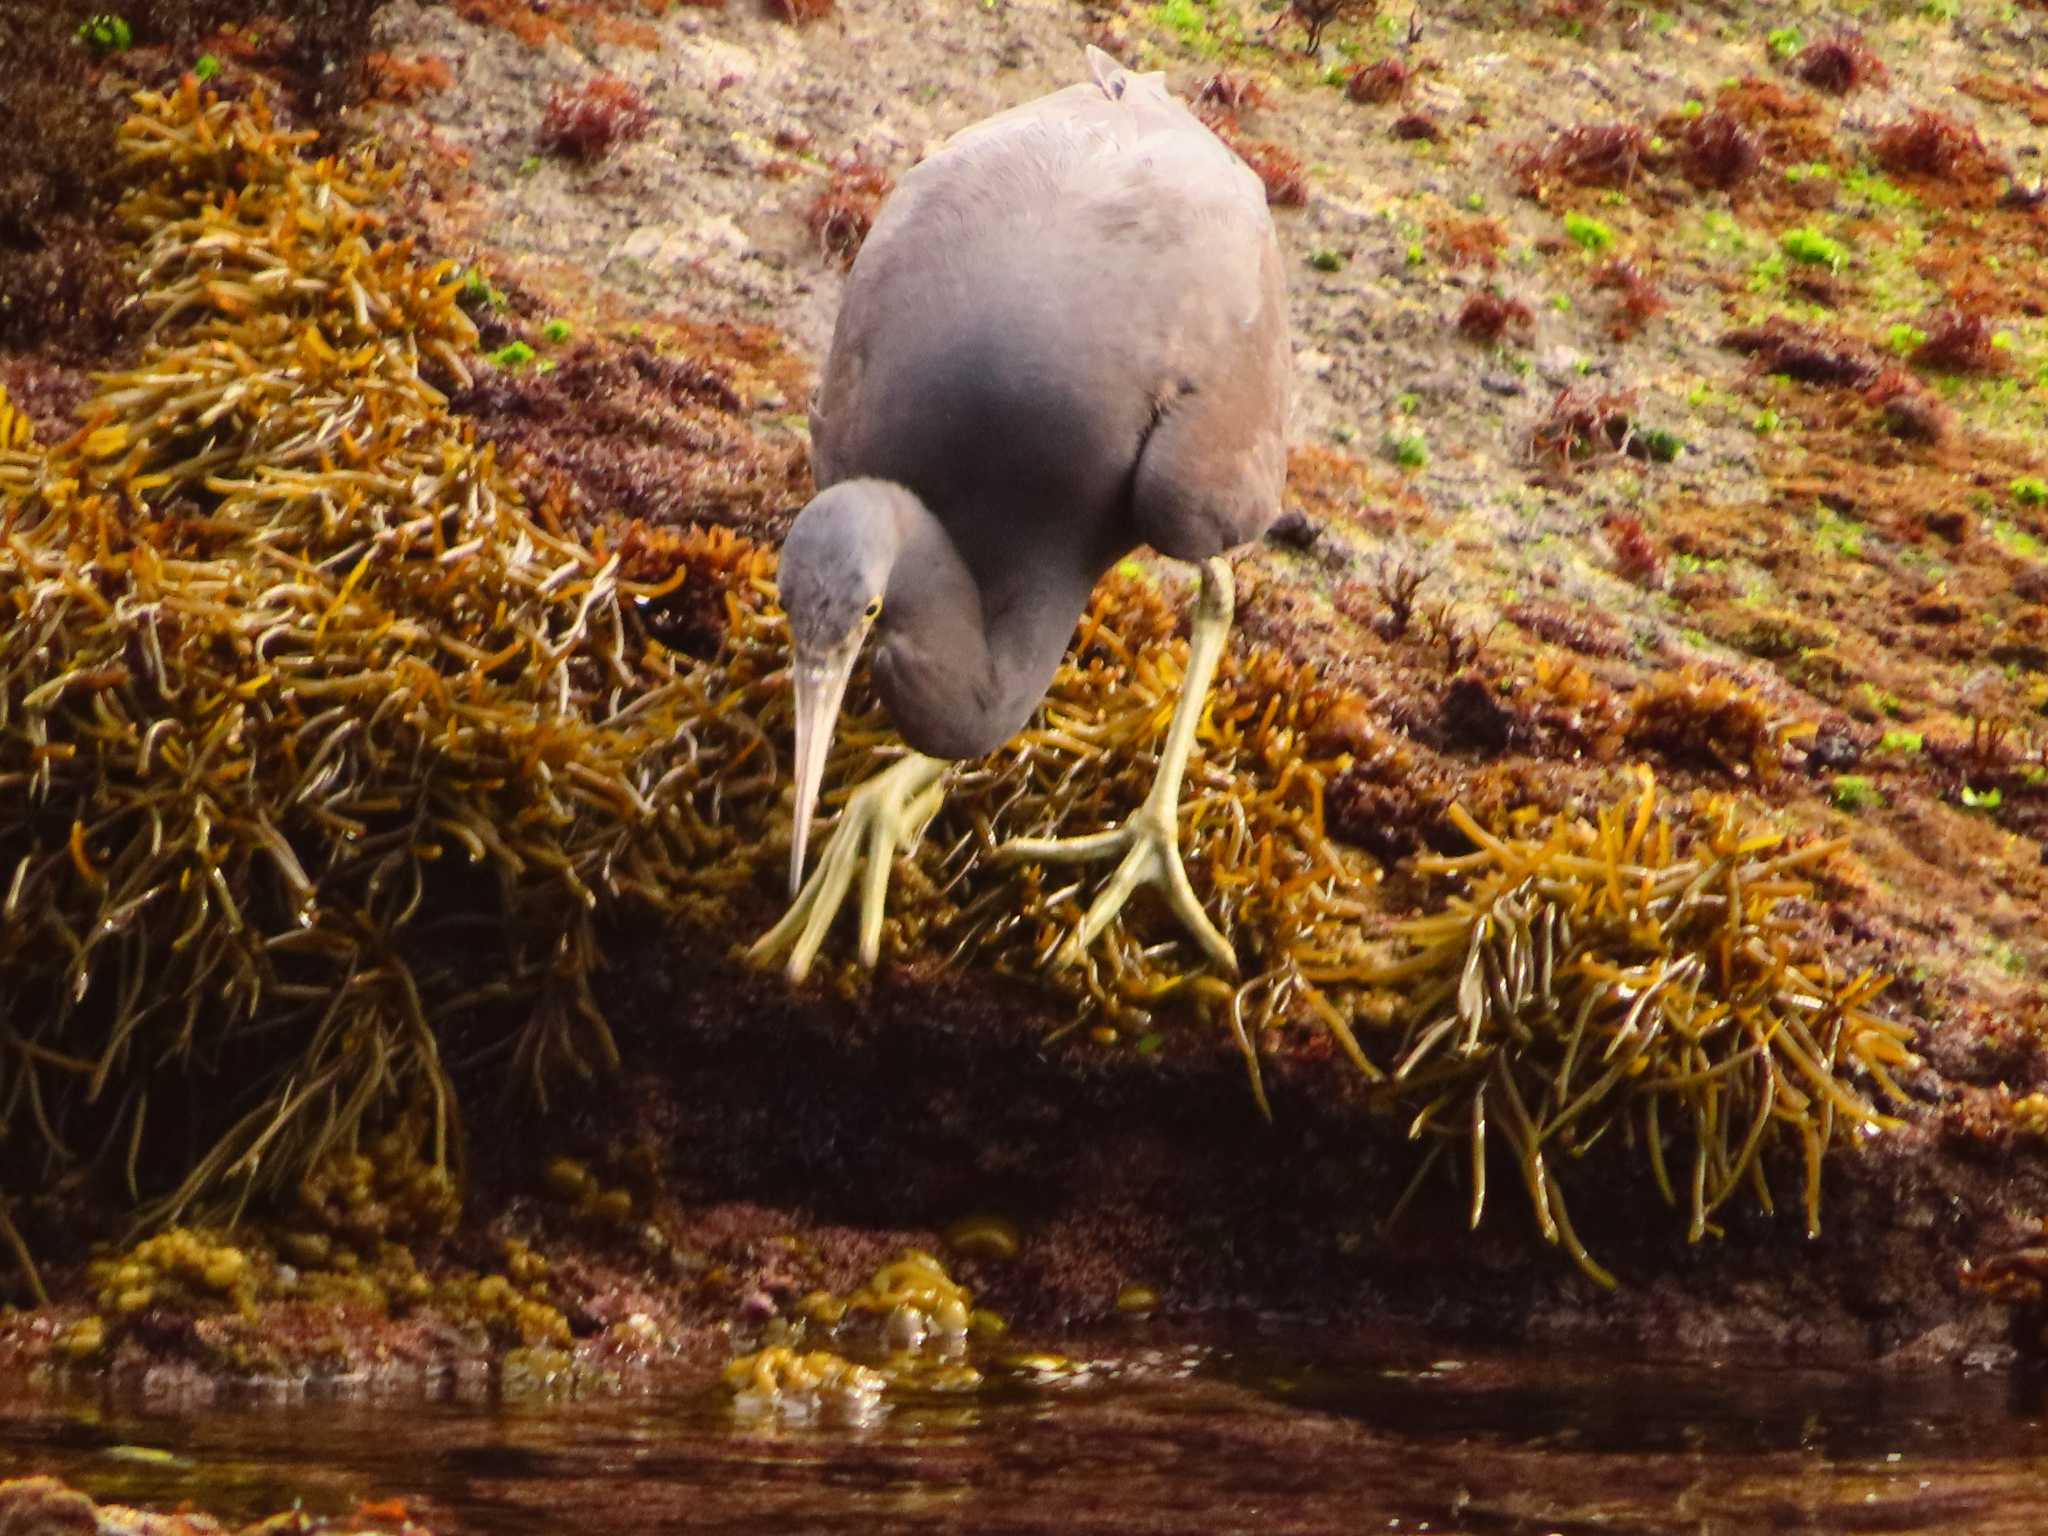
column 873, row 610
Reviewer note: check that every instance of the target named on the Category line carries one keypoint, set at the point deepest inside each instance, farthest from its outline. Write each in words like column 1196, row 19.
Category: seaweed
column 1907, row 409
column 1225, row 95
column 1582, row 424
column 1636, row 555
column 1960, row 341
column 1719, row 151
column 1839, row 64
column 1754, row 122
column 1932, row 145
column 1469, row 241
column 1378, row 83
column 1397, row 583
column 1487, row 317
column 61, row 283
column 406, row 80
column 527, row 20
column 841, row 215
column 1632, row 980
column 1702, row 719
column 1591, row 155
column 1640, row 300
column 1799, row 352
column 319, row 747
column 589, row 121
column 638, row 433
column 1277, row 167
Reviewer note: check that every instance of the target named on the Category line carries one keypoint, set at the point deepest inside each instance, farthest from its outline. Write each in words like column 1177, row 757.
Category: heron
column 1064, row 339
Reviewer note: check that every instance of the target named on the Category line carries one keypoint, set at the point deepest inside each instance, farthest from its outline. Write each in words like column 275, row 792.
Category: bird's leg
column 888, row 814
column 1150, row 840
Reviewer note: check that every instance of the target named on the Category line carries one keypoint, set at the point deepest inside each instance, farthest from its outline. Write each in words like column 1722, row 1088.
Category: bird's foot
column 1150, row 845
column 885, row 816
column 1150, row 840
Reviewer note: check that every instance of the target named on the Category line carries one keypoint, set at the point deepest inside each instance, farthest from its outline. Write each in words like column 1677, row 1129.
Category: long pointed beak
column 820, row 686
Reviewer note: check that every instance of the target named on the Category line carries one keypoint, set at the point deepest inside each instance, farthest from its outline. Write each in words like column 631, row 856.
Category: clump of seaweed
column 1960, row 341
column 1377, row 83
column 1464, row 241
column 588, row 121
column 1636, row 555
column 1225, row 95
column 157, row 1290
column 1487, row 316
column 1639, row 299
column 1933, row 145
column 1397, row 584
column 801, row 1383
column 1907, row 409
column 319, row 748
column 1583, row 424
column 925, row 1317
column 913, row 1300
column 61, row 285
column 1277, row 167
column 1803, row 353
column 643, row 432
column 1702, row 718
column 1839, row 64
column 1719, row 152
column 1754, row 122
column 1633, row 979
column 841, row 215
column 1589, row 155
column 391, row 78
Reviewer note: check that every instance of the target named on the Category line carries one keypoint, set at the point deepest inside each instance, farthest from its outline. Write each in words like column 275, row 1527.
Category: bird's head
column 835, row 571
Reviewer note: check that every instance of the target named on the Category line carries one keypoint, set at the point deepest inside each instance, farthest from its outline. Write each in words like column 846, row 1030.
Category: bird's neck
column 968, row 654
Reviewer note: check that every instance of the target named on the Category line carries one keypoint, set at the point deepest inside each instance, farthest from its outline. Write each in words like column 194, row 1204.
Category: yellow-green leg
column 1150, row 840
column 887, row 814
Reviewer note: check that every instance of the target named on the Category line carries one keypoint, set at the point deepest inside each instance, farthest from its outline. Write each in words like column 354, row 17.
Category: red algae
column 1719, row 151
column 841, row 215
column 1487, row 317
column 1592, row 155
column 589, row 121
column 1839, row 64
column 1377, row 83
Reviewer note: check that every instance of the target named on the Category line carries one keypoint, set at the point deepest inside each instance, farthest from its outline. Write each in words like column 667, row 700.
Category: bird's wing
column 1117, row 251
column 1206, row 333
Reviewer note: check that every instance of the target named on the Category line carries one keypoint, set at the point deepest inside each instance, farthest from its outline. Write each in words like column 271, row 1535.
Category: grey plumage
column 1066, row 335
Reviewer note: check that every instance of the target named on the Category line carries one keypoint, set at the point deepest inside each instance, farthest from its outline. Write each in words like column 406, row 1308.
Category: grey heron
column 1065, row 338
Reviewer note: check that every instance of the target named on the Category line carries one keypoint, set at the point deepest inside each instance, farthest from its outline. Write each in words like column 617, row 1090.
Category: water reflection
column 1258, row 1431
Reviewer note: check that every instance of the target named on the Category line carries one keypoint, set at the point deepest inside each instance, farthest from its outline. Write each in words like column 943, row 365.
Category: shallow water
column 1259, row 1430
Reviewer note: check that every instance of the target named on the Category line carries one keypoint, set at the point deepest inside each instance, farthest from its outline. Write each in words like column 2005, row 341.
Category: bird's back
column 1029, row 298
